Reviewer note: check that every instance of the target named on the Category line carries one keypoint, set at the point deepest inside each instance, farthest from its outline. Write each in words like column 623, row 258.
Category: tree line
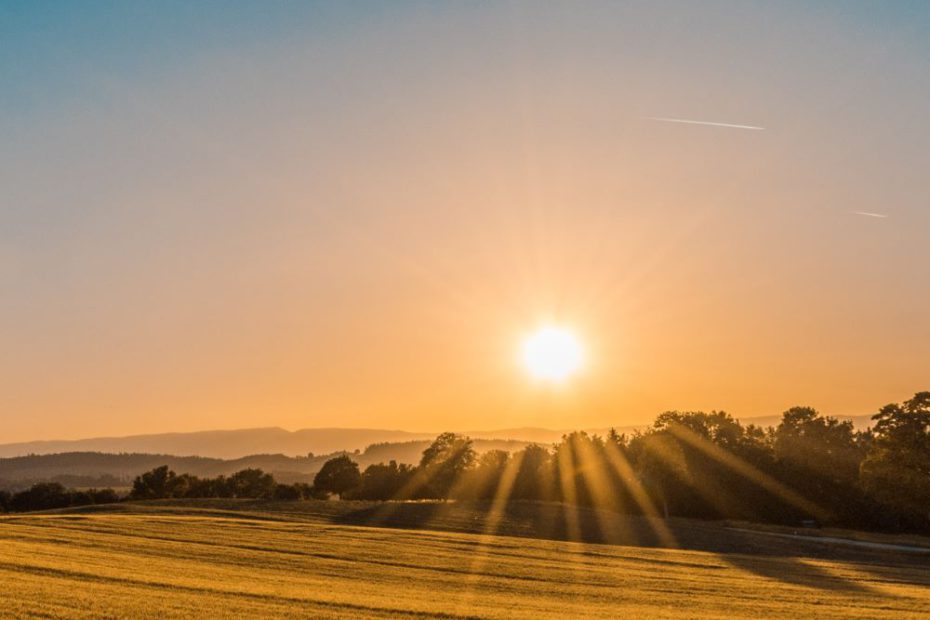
column 252, row 483
column 159, row 483
column 49, row 495
column 687, row 464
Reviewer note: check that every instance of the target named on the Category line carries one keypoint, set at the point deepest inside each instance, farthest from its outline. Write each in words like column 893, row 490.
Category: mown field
column 203, row 559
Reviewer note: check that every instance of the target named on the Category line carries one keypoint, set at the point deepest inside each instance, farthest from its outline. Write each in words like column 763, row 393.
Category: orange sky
column 353, row 221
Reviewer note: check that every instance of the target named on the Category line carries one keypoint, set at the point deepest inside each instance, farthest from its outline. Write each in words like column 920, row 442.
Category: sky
column 348, row 214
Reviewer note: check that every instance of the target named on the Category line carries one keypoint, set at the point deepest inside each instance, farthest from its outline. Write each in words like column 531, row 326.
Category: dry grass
column 223, row 560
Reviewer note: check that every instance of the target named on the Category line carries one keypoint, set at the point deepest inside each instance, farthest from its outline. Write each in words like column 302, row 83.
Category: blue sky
column 239, row 214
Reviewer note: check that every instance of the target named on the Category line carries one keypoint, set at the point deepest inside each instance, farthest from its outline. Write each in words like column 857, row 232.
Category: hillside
column 96, row 469
column 313, row 559
column 224, row 444
column 231, row 444
column 234, row 444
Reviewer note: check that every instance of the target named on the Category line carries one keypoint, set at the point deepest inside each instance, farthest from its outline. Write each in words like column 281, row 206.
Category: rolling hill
column 234, row 444
column 225, row 559
column 224, row 444
column 100, row 469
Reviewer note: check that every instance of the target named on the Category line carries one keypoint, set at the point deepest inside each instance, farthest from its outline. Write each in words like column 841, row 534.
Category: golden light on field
column 552, row 354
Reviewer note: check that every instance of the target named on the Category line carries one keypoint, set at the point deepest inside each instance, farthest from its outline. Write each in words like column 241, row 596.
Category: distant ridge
column 233, row 444
column 224, row 444
column 100, row 469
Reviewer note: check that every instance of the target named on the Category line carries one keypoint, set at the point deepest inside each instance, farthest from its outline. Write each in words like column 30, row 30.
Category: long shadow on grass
column 762, row 555
column 526, row 519
column 795, row 571
column 765, row 555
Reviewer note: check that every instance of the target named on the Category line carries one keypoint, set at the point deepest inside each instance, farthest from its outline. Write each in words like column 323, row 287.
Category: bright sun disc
column 552, row 354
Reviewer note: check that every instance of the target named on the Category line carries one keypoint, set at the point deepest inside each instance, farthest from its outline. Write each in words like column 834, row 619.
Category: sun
column 552, row 354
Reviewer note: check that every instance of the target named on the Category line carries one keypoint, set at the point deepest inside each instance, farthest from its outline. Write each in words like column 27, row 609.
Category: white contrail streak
column 710, row 123
column 868, row 214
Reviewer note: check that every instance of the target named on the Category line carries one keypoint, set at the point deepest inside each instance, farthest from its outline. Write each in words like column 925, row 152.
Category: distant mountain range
column 229, row 444
column 234, row 444
column 100, row 469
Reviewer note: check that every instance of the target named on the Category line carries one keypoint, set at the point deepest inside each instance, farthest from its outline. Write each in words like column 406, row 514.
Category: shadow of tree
column 796, row 571
column 755, row 552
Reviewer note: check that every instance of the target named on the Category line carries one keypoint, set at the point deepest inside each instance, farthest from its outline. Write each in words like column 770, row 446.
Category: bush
column 42, row 496
column 287, row 492
column 338, row 475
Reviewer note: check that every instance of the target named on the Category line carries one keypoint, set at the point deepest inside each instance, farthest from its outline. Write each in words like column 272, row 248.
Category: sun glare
column 552, row 354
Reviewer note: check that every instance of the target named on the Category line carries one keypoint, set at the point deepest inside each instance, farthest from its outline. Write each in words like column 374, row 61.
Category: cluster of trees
column 48, row 495
column 159, row 483
column 162, row 483
column 690, row 464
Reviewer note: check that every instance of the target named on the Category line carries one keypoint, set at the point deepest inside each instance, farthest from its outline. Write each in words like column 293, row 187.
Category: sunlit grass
column 186, row 562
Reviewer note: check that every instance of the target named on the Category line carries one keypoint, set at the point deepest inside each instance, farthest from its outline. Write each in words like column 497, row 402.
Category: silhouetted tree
column 209, row 487
column 621, row 475
column 896, row 471
column 820, row 458
column 287, row 492
column 691, row 464
column 534, row 478
column 338, row 476
column 48, row 495
column 383, row 482
column 162, row 482
column 818, row 446
column 483, row 480
column 42, row 496
column 707, row 465
column 579, row 469
column 663, row 471
column 251, row 483
column 154, row 484
column 442, row 465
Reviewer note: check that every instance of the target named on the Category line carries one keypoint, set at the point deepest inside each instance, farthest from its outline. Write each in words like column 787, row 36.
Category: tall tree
column 534, row 478
column 41, row 496
column 251, row 483
column 443, row 463
column 483, row 480
column 155, row 484
column 820, row 457
column 897, row 469
column 384, row 482
column 338, row 475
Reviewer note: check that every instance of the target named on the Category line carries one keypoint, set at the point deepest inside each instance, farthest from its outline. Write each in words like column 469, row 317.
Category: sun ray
column 492, row 522
column 717, row 497
column 385, row 510
column 747, row 471
column 621, row 465
column 597, row 484
column 569, row 494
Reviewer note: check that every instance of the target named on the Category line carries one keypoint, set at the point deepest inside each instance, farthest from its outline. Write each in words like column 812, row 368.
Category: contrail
column 710, row 123
column 868, row 214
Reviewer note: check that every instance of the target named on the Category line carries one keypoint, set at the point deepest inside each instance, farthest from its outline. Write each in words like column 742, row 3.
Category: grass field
column 325, row 559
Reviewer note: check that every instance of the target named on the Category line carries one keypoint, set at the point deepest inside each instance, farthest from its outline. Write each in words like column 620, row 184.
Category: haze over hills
column 234, row 444
column 223, row 444
column 99, row 469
